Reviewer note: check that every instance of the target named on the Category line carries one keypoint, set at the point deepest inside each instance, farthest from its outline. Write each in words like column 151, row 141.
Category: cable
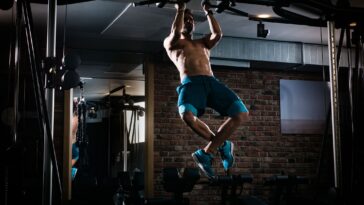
column 138, row 139
column 132, row 132
column 64, row 30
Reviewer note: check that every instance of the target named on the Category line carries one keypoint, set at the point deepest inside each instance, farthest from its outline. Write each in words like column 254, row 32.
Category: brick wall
column 260, row 148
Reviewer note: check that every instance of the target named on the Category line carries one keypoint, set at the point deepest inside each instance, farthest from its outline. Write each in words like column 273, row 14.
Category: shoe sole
column 200, row 166
column 232, row 154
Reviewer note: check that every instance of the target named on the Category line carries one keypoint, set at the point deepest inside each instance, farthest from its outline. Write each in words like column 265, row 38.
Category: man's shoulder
column 167, row 43
column 199, row 41
column 178, row 44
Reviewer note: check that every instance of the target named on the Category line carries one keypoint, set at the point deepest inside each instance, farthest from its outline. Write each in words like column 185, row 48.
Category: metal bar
column 351, row 86
column 242, row 13
column 297, row 18
column 125, row 147
column 335, row 120
column 341, row 40
column 50, row 97
column 109, row 137
column 38, row 87
column 149, row 68
column 116, row 89
column 350, row 80
column 264, row 2
column 17, row 58
column 355, row 95
column 117, row 18
column 67, row 144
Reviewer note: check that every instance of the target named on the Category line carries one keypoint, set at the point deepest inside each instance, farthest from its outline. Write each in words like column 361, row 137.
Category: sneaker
column 226, row 153
column 204, row 161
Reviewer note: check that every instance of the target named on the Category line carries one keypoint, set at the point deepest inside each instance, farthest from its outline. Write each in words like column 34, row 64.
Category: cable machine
column 131, row 134
column 129, row 118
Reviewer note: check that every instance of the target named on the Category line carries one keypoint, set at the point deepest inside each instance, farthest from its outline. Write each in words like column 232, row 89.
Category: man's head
column 188, row 22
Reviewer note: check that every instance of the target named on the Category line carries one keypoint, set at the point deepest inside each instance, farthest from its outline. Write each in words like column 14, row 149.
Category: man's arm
column 176, row 30
column 212, row 39
column 74, row 162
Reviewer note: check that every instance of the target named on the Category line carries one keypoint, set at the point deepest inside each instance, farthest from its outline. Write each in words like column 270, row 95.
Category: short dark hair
column 188, row 11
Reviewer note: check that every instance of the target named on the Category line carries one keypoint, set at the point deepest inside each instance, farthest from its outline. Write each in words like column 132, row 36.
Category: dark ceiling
column 112, row 36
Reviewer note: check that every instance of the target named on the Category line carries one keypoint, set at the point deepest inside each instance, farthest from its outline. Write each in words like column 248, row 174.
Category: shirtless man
column 200, row 89
column 75, row 149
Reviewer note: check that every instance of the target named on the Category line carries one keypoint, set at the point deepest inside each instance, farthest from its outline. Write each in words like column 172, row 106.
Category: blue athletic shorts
column 198, row 92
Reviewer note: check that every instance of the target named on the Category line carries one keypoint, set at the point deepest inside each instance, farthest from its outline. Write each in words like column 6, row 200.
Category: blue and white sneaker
column 226, row 153
column 204, row 161
column 73, row 173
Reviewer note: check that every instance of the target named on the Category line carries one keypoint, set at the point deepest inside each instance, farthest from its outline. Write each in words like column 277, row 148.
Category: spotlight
column 70, row 78
column 261, row 31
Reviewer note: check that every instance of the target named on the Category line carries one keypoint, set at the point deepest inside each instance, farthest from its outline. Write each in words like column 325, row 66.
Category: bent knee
column 188, row 117
column 241, row 117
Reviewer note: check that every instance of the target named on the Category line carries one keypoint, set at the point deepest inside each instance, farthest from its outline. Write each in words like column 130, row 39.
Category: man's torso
column 191, row 57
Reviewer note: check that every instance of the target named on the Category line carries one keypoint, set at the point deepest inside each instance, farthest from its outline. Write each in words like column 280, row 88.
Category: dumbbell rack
column 231, row 186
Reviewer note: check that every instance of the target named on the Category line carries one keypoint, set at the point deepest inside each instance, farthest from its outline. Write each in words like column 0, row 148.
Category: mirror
column 109, row 104
column 111, row 119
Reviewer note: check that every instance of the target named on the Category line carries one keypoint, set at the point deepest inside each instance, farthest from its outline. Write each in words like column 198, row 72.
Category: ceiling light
column 263, row 16
column 261, row 31
column 352, row 24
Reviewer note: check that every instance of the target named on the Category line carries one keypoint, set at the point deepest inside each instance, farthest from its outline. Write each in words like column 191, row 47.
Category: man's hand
column 216, row 33
column 205, row 5
column 180, row 5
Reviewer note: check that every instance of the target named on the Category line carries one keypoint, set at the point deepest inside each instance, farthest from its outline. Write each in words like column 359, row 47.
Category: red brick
column 258, row 144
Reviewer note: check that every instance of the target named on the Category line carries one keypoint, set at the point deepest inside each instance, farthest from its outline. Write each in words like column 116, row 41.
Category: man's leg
column 224, row 146
column 197, row 125
column 203, row 159
column 226, row 130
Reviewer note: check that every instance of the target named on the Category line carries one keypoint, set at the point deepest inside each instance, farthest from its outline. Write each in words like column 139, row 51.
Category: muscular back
column 191, row 57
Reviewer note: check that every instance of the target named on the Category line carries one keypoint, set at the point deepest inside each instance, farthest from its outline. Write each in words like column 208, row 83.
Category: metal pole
column 49, row 94
column 109, row 138
column 67, row 144
column 336, row 142
column 125, row 152
column 16, row 65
